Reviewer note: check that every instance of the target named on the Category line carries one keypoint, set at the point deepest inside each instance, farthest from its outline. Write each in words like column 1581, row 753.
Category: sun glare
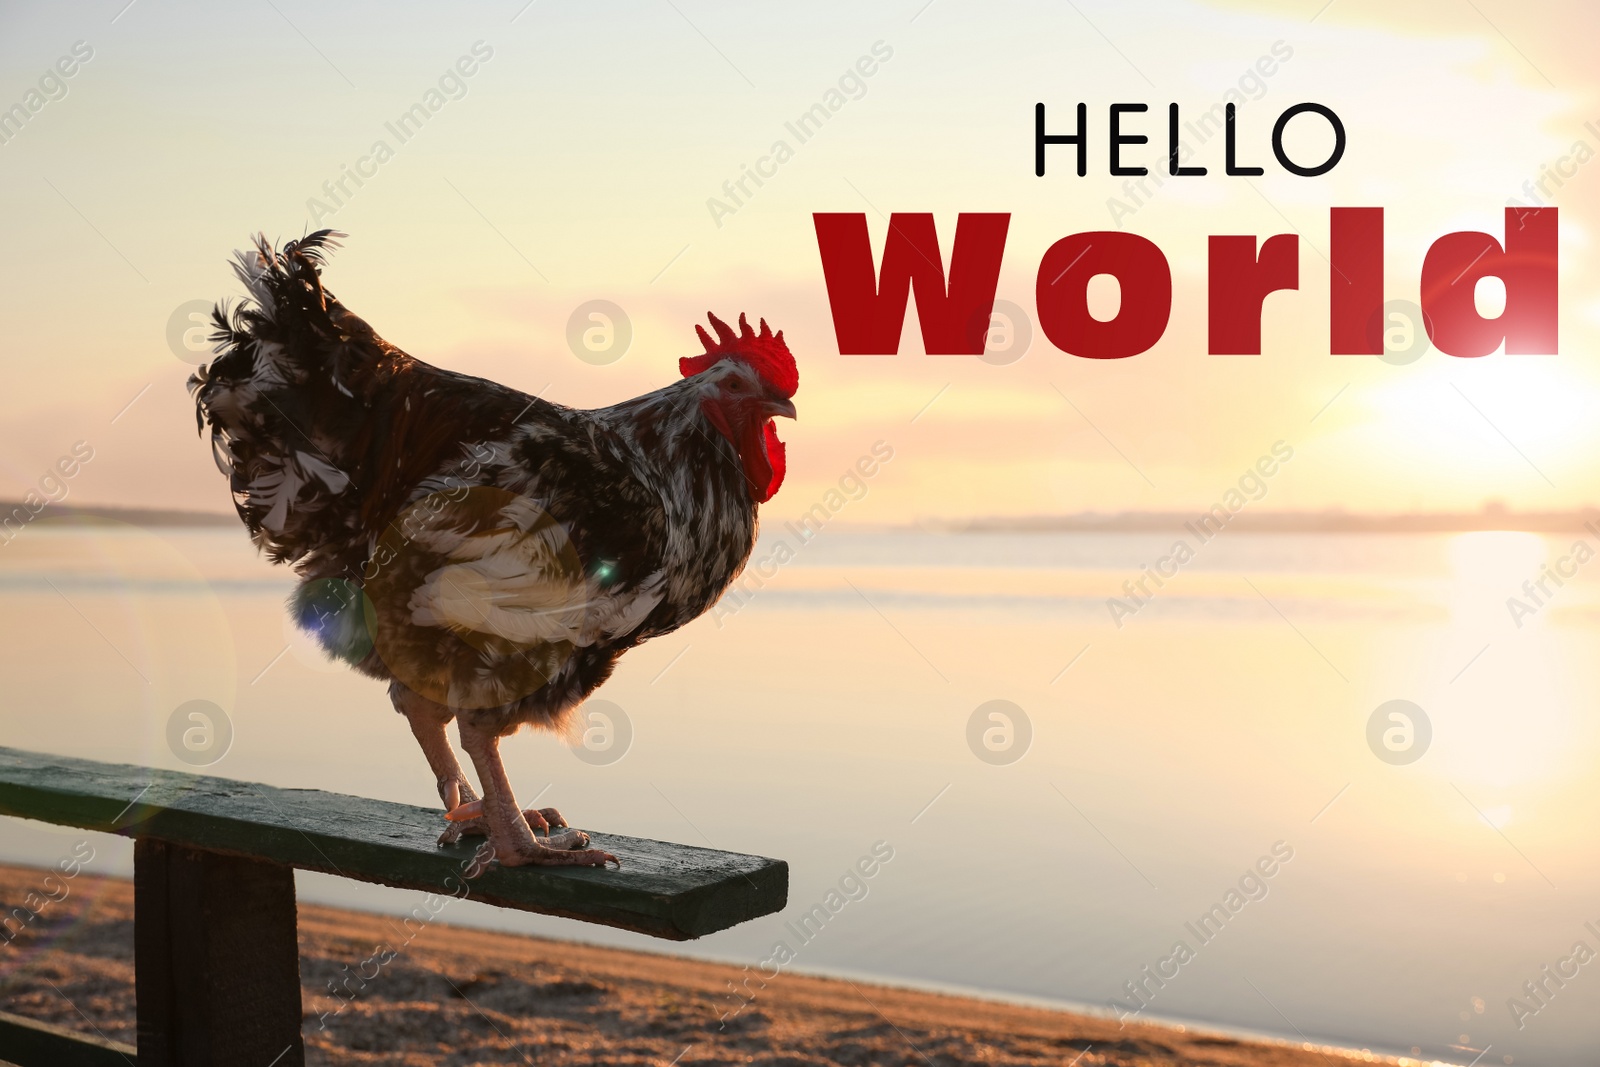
column 1504, row 719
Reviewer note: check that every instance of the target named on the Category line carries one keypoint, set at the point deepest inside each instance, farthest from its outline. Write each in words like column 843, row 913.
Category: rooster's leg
column 514, row 843
column 463, row 809
column 428, row 721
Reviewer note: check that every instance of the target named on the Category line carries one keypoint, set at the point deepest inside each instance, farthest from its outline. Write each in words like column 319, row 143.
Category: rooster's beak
column 779, row 407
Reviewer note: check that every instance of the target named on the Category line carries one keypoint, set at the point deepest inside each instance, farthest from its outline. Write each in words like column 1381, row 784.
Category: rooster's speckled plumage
column 488, row 553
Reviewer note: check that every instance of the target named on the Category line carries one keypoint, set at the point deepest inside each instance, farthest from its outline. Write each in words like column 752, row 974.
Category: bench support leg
column 216, row 959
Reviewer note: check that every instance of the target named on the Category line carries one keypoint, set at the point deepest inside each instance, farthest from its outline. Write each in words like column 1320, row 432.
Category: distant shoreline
column 1286, row 522
column 131, row 516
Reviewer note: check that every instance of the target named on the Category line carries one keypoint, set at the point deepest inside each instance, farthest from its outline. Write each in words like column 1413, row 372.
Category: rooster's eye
column 735, row 385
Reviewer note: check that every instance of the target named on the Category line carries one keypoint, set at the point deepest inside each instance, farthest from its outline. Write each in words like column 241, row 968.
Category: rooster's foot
column 565, row 841
column 558, row 853
column 466, row 820
column 510, row 839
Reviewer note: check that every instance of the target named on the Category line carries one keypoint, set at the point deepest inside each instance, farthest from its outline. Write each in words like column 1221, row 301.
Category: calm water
column 1224, row 725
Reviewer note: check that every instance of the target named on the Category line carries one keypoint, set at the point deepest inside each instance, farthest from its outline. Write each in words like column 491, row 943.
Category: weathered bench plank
column 665, row 890
column 29, row 1042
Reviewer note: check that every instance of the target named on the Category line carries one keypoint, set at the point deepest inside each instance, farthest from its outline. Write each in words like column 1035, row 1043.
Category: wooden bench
column 216, row 955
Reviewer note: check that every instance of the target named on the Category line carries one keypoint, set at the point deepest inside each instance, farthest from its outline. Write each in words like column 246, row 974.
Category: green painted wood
column 666, row 890
column 27, row 1043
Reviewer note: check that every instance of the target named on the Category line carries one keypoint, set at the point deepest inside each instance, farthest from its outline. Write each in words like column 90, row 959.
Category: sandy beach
column 463, row 997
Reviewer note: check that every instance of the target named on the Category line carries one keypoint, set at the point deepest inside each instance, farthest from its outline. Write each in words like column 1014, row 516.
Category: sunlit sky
column 579, row 161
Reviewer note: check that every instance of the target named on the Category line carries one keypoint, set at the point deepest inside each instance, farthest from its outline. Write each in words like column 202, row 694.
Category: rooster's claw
column 472, row 809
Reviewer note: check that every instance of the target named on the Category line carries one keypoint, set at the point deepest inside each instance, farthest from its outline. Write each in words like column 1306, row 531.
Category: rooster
column 487, row 553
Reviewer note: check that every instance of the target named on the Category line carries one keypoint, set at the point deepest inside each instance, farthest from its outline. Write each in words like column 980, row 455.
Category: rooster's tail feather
column 282, row 396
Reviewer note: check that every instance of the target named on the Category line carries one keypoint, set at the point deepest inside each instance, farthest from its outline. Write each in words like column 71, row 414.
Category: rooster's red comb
column 764, row 351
